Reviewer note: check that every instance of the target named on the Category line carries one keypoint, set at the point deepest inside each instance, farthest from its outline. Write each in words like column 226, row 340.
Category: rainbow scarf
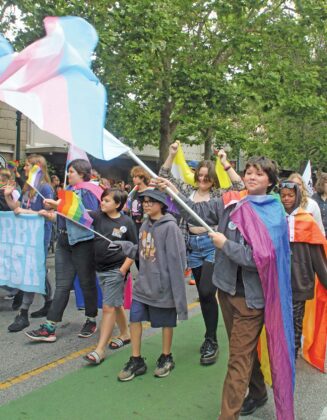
column 303, row 228
column 262, row 222
column 72, row 208
column 35, row 176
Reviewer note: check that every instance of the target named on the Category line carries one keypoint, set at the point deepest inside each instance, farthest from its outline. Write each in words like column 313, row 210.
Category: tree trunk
column 208, row 145
column 165, row 134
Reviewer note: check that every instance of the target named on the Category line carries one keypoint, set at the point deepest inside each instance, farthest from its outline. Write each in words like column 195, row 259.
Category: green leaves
column 247, row 73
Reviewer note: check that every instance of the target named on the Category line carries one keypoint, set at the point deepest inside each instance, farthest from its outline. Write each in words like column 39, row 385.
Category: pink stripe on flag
column 51, row 95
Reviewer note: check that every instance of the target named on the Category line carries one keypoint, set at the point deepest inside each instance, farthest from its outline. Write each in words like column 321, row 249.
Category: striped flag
column 75, row 152
column 180, row 168
column 72, row 207
column 35, row 176
column 51, row 82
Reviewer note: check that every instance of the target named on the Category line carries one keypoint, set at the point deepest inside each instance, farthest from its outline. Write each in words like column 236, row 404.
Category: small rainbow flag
column 35, row 176
column 72, row 207
column 11, row 164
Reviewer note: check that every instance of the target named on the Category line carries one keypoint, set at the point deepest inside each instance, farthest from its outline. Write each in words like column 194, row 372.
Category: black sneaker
column 17, row 301
column 88, row 329
column 165, row 364
column 42, row 312
column 21, row 321
column 134, row 367
column 209, row 353
column 250, row 405
column 44, row 333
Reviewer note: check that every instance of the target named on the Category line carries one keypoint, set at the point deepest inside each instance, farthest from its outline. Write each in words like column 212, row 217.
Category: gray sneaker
column 134, row 367
column 165, row 364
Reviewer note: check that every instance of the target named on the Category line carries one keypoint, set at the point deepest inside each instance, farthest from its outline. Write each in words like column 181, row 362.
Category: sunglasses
column 288, row 184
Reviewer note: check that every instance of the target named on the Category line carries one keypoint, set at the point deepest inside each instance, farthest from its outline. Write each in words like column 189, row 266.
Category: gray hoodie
column 162, row 254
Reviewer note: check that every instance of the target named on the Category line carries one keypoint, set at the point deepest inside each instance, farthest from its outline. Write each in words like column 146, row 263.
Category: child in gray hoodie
column 159, row 294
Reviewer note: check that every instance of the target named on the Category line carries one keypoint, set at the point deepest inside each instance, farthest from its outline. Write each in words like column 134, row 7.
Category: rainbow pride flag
column 51, row 82
column 262, row 222
column 303, row 228
column 72, row 207
column 35, row 176
column 11, row 164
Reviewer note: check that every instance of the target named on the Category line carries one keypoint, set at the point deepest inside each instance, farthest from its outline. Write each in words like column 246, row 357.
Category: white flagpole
column 171, row 193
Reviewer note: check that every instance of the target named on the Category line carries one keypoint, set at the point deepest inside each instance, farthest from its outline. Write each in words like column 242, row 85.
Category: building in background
column 54, row 149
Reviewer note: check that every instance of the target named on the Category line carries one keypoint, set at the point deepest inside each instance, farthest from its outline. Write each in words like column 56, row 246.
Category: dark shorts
column 158, row 317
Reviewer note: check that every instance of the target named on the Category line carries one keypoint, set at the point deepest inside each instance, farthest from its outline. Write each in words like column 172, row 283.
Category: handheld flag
column 180, row 168
column 72, row 207
column 51, row 82
column 307, row 178
column 75, row 152
column 11, row 164
column 224, row 179
column 35, row 176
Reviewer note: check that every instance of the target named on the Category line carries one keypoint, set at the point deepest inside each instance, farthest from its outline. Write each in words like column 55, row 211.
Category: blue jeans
column 200, row 248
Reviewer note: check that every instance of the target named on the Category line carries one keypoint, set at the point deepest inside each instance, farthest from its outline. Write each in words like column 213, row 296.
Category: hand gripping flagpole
column 171, row 192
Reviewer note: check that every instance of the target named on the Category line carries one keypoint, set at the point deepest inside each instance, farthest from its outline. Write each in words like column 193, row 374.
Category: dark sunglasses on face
column 288, row 184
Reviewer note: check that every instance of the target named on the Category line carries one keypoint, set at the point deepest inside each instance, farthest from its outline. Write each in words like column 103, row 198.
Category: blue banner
column 22, row 259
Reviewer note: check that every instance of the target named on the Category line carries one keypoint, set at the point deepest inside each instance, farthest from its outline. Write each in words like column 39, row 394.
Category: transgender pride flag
column 51, row 83
column 262, row 222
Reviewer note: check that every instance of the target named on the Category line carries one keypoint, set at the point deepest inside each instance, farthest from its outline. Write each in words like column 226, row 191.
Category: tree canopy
column 247, row 73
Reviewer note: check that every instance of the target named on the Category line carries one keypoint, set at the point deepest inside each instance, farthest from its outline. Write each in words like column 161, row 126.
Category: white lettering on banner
column 34, row 226
column 21, row 251
column 5, row 252
column 30, row 275
column 17, row 274
column 21, row 228
column 7, row 230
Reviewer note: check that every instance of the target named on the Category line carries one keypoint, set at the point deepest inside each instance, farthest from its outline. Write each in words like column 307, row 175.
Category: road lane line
column 51, row 365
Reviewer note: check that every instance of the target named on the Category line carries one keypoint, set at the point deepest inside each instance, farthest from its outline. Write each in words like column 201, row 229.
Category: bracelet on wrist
column 227, row 168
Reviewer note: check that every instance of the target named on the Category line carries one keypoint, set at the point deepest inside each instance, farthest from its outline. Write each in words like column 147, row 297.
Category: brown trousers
column 243, row 327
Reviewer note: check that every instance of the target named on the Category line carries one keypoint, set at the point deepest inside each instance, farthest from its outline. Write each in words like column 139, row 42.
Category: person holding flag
column 200, row 249
column 74, row 252
column 252, row 274
column 36, row 188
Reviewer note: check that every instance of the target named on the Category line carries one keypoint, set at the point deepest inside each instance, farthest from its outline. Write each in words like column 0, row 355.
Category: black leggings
column 208, row 299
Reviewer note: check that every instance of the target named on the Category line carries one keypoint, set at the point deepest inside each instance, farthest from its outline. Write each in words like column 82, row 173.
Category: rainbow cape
column 35, row 176
column 262, row 222
column 303, row 228
column 72, row 208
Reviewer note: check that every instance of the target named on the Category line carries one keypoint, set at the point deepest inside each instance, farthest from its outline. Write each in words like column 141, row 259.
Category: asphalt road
column 26, row 366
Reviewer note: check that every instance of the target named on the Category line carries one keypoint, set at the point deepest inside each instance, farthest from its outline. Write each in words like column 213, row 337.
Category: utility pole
column 18, row 124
